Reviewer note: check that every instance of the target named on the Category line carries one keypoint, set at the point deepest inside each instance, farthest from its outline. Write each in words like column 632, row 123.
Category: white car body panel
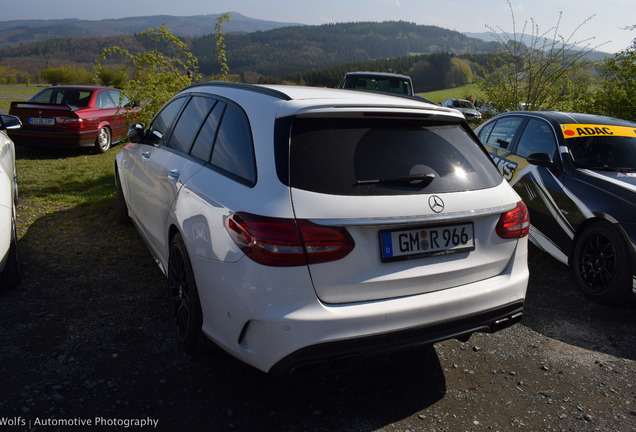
column 263, row 314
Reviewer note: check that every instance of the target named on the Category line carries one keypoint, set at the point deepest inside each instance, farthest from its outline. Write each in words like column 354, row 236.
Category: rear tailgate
column 421, row 201
column 369, row 273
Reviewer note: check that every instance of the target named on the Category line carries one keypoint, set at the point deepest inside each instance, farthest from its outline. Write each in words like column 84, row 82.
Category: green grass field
column 456, row 93
column 12, row 93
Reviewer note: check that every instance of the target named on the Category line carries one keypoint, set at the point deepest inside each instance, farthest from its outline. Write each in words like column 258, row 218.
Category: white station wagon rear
column 305, row 229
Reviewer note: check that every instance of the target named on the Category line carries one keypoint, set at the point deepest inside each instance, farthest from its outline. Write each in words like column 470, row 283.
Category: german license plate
column 426, row 241
column 41, row 121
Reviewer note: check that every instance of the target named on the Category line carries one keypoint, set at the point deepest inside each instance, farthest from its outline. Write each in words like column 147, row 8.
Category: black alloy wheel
column 121, row 208
column 185, row 297
column 601, row 264
column 11, row 275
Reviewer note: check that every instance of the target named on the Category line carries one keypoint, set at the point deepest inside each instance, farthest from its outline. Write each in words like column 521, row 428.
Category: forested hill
column 275, row 53
column 287, row 50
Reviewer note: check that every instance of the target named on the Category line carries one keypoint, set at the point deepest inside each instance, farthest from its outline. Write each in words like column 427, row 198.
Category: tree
column 154, row 75
column 616, row 94
column 112, row 76
column 220, row 45
column 537, row 69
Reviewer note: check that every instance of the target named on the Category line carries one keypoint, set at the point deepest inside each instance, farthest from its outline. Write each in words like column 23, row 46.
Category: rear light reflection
column 287, row 242
column 515, row 223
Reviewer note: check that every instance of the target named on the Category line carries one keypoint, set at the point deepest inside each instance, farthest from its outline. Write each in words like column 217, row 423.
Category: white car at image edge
column 303, row 230
column 9, row 263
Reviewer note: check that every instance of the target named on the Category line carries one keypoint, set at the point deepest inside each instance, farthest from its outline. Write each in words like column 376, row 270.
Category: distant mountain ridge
column 279, row 52
column 21, row 31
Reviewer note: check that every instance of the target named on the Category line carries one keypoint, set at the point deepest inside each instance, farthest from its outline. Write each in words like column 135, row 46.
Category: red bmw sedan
column 72, row 116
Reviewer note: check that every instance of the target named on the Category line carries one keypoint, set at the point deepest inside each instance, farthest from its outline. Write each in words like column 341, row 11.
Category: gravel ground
column 87, row 344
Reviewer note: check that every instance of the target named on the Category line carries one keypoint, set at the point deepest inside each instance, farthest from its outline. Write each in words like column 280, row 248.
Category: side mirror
column 541, row 159
column 9, row 122
column 136, row 133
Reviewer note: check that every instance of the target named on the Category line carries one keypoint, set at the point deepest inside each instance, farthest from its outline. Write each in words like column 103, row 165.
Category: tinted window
column 233, row 150
column 205, row 140
column 190, row 122
column 503, row 132
column 376, row 157
column 603, row 152
column 537, row 137
column 385, row 84
column 160, row 126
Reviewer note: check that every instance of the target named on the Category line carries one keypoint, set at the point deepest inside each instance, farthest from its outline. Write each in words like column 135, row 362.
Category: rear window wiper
column 420, row 181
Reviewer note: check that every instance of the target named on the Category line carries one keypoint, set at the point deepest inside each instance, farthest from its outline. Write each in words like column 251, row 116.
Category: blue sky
column 461, row 15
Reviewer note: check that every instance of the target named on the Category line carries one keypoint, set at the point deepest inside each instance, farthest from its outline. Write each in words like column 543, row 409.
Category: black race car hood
column 625, row 180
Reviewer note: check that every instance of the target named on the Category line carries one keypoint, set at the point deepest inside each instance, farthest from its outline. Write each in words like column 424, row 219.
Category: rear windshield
column 385, row 157
column 71, row 97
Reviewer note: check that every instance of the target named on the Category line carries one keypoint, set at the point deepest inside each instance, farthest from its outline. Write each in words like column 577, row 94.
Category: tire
column 601, row 264
column 121, row 208
column 103, row 140
column 185, row 298
column 11, row 275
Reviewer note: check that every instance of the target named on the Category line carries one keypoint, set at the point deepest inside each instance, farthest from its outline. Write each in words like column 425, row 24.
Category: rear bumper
column 339, row 355
column 278, row 325
column 24, row 137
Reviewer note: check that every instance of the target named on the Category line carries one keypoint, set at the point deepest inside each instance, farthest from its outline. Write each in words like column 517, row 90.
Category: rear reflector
column 287, row 242
column 515, row 223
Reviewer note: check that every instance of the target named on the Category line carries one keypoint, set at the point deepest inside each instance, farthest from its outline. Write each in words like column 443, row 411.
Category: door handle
column 145, row 155
column 174, row 174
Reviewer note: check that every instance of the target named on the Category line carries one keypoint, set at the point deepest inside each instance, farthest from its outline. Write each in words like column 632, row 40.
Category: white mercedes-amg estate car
column 305, row 229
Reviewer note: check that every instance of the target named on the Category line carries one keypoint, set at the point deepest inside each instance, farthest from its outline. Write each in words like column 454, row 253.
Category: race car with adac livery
column 577, row 175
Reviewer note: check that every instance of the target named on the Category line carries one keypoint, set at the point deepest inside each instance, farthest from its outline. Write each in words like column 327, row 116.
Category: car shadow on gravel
column 557, row 308
column 89, row 334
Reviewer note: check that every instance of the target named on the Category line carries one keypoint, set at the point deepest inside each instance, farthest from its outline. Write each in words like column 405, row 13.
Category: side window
column 484, row 132
column 160, row 126
column 190, row 122
column 104, row 101
column 115, row 96
column 233, row 150
column 202, row 147
column 537, row 137
column 503, row 132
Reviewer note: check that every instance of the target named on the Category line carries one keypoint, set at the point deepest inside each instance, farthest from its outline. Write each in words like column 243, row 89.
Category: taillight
column 515, row 223
column 287, row 242
column 77, row 123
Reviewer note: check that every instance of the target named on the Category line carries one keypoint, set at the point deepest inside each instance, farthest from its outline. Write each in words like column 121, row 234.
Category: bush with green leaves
column 67, row 74
column 155, row 74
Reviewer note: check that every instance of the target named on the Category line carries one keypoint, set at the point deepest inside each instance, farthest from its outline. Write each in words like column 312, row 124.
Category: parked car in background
column 9, row 261
column 72, row 116
column 305, row 229
column 487, row 109
column 577, row 175
column 466, row 107
column 378, row 81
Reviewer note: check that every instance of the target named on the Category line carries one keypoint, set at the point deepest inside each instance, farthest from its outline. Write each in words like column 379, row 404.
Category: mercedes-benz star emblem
column 436, row 204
